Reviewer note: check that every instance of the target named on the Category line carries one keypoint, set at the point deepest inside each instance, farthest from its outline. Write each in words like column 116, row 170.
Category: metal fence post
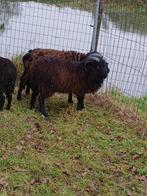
column 97, row 23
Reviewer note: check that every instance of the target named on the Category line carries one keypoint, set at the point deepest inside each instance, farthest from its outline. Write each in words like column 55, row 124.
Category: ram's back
column 35, row 54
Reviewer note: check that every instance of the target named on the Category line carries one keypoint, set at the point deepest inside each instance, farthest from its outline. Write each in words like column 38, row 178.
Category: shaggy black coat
column 51, row 74
column 35, row 54
column 8, row 76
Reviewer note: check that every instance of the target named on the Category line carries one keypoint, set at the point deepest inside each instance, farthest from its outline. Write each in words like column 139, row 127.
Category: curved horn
column 96, row 54
column 92, row 58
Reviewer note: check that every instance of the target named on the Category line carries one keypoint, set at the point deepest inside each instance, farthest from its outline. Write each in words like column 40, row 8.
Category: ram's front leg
column 70, row 98
column 9, row 99
column 22, row 83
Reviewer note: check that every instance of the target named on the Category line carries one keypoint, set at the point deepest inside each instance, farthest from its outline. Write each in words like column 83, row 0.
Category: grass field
column 99, row 151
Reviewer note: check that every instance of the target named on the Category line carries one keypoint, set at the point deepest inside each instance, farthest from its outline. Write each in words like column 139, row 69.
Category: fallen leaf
column 92, row 189
column 19, row 147
column 59, row 138
column 2, row 147
column 129, row 193
column 86, row 171
column 45, row 180
column 5, row 157
column 120, row 138
column 3, row 183
column 143, row 178
column 66, row 173
column 136, row 157
column 133, row 170
column 126, row 162
column 27, row 194
column 28, row 136
column 77, row 157
column 37, row 125
column 58, row 165
column 22, row 142
column 38, row 146
column 35, row 182
column 18, row 169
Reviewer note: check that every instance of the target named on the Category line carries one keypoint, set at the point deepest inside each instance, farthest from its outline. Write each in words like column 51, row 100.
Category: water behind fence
column 26, row 25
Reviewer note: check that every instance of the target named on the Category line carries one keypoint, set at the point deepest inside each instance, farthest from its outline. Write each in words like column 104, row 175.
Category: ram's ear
column 88, row 64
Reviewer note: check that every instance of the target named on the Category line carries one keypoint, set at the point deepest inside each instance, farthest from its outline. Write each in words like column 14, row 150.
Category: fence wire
column 34, row 24
column 123, row 40
column 68, row 25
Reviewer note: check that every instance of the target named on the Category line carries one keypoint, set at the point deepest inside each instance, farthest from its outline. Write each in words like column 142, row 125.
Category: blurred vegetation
column 128, row 15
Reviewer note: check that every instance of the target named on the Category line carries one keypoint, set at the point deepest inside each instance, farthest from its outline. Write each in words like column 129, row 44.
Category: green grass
column 139, row 104
column 93, row 152
column 80, row 4
column 17, row 60
column 129, row 15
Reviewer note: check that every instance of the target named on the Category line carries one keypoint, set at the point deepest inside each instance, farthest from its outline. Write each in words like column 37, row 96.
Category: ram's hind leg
column 9, row 99
column 27, row 88
column 33, row 98
column 2, row 101
column 80, row 104
column 41, row 98
column 42, row 110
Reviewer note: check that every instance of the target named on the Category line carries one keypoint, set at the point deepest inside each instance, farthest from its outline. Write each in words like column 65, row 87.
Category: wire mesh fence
column 68, row 25
column 124, row 43
column 34, row 24
column 123, row 40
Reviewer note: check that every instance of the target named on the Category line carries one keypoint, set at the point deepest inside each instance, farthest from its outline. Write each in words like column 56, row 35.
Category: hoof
column 45, row 117
column 80, row 109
